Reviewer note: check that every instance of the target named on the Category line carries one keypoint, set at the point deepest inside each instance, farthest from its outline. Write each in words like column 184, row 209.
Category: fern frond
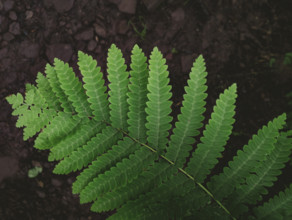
column 104, row 162
column 62, row 125
column 31, row 97
column 36, row 124
column 33, row 112
column 137, row 96
column 118, row 77
column 279, row 207
column 146, row 181
column 20, row 108
column 27, row 112
column 56, row 88
column 190, row 119
column 123, row 173
column 211, row 211
column 97, row 145
column 215, row 136
column 247, row 159
column 15, row 100
column 174, row 204
column 177, row 186
column 72, row 87
column 47, row 92
column 119, row 134
column 39, row 114
column 86, row 130
column 94, row 86
column 159, row 106
column 265, row 176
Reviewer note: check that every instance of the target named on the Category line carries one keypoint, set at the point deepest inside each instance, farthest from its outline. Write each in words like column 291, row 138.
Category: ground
column 245, row 43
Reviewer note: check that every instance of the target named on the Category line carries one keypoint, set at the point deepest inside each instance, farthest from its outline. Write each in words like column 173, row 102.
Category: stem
column 183, row 171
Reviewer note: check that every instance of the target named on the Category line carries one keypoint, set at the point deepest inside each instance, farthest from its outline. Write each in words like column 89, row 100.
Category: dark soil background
column 238, row 40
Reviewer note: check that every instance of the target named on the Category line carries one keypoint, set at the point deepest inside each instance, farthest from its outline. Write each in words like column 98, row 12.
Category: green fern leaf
column 211, row 211
column 123, row 173
column 178, row 186
column 148, row 179
column 30, row 94
column 94, row 86
column 80, row 137
column 32, row 112
column 26, row 115
column 20, row 112
column 118, row 77
column 27, row 112
column 62, row 125
column 97, row 145
column 278, row 207
column 36, row 124
column 103, row 163
column 246, row 160
column 72, row 88
column 47, row 92
column 137, row 97
column 158, row 106
column 119, row 151
column 56, row 88
column 15, row 100
column 190, row 119
column 265, row 175
column 119, row 134
column 215, row 136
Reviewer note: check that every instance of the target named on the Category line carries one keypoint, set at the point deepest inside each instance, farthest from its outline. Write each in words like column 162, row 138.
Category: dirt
column 237, row 39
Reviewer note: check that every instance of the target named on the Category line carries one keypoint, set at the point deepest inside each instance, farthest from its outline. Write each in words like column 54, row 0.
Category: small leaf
column 33, row 172
column 15, row 100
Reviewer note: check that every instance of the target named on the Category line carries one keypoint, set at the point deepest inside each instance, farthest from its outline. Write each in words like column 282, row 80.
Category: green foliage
column 130, row 157
column 190, row 121
column 174, row 51
column 158, row 106
column 252, row 156
column 277, row 207
column 141, row 22
column 33, row 172
column 287, row 59
column 94, row 86
column 119, row 80
column 33, row 111
column 289, row 114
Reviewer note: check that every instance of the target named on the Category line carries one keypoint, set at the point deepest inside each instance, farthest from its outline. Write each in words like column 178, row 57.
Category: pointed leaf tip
column 201, row 58
column 113, row 46
column 233, row 87
column 80, row 53
column 155, row 49
column 136, row 47
column 57, row 61
column 284, row 116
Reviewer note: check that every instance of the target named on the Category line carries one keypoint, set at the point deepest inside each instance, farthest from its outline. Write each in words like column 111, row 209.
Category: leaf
column 15, row 100
column 116, row 131
column 118, row 78
column 33, row 172
column 158, row 107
